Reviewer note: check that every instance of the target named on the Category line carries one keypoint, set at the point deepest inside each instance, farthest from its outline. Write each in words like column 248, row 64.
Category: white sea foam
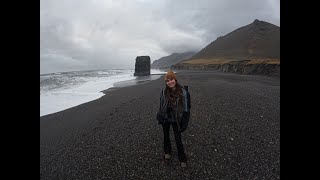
column 61, row 91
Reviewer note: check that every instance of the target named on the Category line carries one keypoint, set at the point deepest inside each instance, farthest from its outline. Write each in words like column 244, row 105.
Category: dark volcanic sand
column 234, row 132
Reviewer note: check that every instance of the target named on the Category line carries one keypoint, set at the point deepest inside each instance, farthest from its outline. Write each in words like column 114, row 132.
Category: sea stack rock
column 142, row 66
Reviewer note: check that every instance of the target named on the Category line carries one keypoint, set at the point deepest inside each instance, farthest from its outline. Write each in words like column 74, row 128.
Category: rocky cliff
column 142, row 66
column 262, row 67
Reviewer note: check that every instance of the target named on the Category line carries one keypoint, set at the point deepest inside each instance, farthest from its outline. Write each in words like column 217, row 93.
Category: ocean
column 60, row 91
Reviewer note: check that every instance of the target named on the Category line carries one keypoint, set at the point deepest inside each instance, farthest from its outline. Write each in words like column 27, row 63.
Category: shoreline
column 117, row 85
column 133, row 82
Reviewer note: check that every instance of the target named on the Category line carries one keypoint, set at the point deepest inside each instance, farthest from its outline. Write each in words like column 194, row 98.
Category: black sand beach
column 234, row 132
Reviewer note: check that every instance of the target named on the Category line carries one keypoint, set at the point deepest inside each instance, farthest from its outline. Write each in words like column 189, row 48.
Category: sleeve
column 161, row 99
column 189, row 101
column 159, row 115
column 186, row 115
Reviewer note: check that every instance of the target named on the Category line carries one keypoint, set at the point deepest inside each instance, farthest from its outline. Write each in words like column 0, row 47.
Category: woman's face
column 171, row 82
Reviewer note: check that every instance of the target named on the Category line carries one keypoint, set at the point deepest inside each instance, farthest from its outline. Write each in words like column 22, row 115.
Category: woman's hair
column 178, row 92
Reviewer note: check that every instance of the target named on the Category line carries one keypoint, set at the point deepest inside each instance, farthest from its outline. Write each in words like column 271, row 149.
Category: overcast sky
column 104, row 34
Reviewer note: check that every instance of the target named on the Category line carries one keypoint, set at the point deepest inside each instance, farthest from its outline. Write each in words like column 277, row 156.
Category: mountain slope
column 167, row 61
column 257, row 40
column 251, row 49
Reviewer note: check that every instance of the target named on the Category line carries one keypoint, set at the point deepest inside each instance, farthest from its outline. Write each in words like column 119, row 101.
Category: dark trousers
column 167, row 144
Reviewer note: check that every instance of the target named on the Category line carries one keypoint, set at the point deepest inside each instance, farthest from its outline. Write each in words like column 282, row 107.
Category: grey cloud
column 82, row 34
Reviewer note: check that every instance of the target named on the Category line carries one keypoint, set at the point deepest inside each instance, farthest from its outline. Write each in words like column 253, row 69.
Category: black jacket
column 163, row 115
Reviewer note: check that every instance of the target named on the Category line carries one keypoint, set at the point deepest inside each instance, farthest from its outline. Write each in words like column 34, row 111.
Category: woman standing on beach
column 174, row 111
